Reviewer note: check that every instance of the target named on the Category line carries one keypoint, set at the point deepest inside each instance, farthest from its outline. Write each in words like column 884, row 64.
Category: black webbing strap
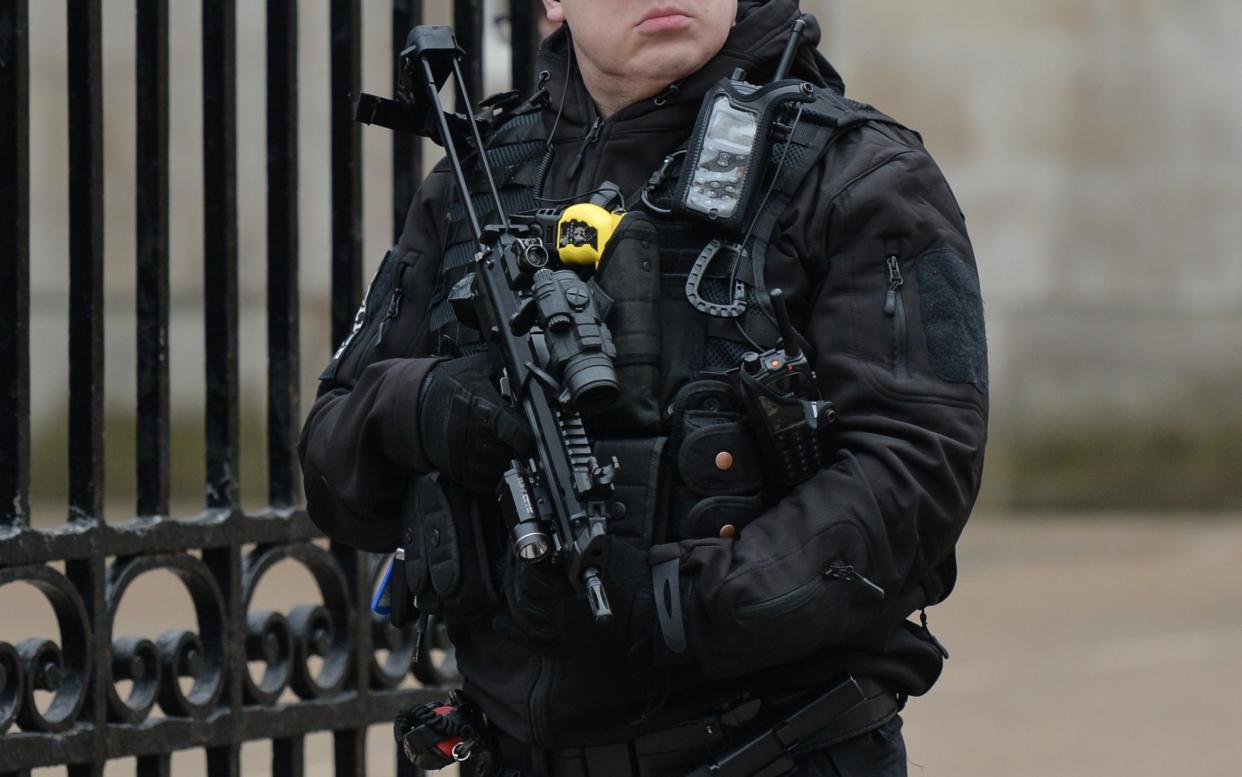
column 666, row 577
column 770, row 754
column 514, row 145
column 851, row 708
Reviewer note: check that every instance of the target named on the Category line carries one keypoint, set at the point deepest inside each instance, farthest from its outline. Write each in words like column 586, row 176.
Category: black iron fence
column 59, row 700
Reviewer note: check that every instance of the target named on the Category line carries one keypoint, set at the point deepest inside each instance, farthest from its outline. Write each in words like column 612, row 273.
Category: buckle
column 657, row 180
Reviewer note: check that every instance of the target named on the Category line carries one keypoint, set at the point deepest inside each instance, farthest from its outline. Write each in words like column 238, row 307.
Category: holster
column 718, row 485
column 446, row 560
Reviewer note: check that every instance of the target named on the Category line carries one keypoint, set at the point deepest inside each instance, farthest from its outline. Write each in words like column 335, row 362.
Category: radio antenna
column 791, row 49
column 788, row 334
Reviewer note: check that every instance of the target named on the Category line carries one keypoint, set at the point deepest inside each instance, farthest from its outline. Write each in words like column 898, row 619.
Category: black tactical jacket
column 873, row 256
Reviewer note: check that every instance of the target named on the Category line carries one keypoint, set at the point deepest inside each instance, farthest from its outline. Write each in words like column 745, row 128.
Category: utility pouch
column 636, row 487
column 626, row 287
column 719, row 486
column 446, row 566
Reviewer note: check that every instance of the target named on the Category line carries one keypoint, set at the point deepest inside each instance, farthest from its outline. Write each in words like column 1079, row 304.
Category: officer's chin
column 669, row 62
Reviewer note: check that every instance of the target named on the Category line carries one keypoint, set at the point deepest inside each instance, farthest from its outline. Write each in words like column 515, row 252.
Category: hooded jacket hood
column 755, row 44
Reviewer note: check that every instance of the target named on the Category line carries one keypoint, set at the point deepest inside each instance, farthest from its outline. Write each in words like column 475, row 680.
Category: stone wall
column 1094, row 145
column 1095, row 148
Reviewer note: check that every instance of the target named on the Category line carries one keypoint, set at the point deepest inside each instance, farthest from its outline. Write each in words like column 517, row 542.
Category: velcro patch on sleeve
column 952, row 312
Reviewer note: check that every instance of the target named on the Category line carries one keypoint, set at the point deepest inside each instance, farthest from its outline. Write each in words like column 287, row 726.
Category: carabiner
column 463, row 750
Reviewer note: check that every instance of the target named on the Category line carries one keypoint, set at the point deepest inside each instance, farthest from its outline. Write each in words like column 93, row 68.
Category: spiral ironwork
column 229, row 675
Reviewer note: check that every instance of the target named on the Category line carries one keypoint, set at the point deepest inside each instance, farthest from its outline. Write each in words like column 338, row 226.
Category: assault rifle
column 553, row 352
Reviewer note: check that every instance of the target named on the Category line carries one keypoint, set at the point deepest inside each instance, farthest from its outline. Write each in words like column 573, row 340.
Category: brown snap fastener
column 728, row 531
column 724, row 461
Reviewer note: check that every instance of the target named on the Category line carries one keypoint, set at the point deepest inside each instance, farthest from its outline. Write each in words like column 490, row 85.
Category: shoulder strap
column 819, row 124
column 514, row 146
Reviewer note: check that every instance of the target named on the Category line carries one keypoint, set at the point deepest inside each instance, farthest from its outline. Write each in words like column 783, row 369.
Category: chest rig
column 514, row 147
column 690, row 465
column 714, row 304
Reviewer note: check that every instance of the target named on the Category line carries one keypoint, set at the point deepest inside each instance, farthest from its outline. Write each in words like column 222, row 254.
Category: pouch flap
column 702, row 396
column 718, row 456
column 416, row 571
column 721, row 516
column 439, row 535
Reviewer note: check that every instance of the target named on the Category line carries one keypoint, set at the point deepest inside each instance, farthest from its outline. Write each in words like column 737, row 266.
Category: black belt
column 750, row 731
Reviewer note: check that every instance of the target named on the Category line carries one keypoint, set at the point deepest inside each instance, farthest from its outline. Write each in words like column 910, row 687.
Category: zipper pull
column 935, row 642
column 420, row 631
column 839, row 570
column 591, row 137
column 895, row 282
column 394, row 307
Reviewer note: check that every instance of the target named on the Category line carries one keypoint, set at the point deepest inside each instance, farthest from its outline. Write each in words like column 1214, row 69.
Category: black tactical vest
column 689, row 465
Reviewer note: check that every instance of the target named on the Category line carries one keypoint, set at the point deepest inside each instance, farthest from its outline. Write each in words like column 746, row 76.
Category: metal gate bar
column 15, row 268
column 407, row 162
column 151, row 282
column 284, row 414
column 85, row 263
column 468, row 23
column 221, row 555
column 346, row 57
column 524, row 35
column 220, row 248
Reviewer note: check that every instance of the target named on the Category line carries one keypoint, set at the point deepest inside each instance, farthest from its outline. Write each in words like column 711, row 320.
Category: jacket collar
column 754, row 44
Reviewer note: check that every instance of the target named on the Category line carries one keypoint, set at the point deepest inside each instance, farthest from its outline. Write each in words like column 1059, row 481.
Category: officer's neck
column 612, row 92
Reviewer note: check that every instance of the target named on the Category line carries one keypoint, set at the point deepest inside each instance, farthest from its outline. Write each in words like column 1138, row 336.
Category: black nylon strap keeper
column 422, row 740
column 786, row 736
column 666, row 577
column 400, row 604
column 382, row 112
column 768, row 753
column 418, row 730
column 608, row 761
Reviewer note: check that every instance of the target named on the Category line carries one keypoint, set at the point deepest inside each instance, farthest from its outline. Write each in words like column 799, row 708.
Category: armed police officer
column 792, row 448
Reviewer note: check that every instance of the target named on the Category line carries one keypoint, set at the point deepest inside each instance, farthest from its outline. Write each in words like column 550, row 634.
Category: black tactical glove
column 435, row 734
column 546, row 616
column 468, row 431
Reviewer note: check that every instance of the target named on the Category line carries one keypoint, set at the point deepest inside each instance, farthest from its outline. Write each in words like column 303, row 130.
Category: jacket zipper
column 590, row 139
column 394, row 305
column 791, row 600
column 597, row 127
column 781, row 604
column 363, row 317
column 894, row 307
column 839, row 570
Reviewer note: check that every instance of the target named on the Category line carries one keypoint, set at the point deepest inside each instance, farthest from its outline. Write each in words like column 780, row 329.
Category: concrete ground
column 1088, row 647
column 1081, row 646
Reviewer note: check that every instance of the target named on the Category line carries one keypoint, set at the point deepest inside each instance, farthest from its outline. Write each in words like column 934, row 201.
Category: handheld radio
column 782, row 400
column 727, row 155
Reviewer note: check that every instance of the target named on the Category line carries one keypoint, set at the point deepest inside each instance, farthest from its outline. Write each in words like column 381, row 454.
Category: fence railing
column 59, row 700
